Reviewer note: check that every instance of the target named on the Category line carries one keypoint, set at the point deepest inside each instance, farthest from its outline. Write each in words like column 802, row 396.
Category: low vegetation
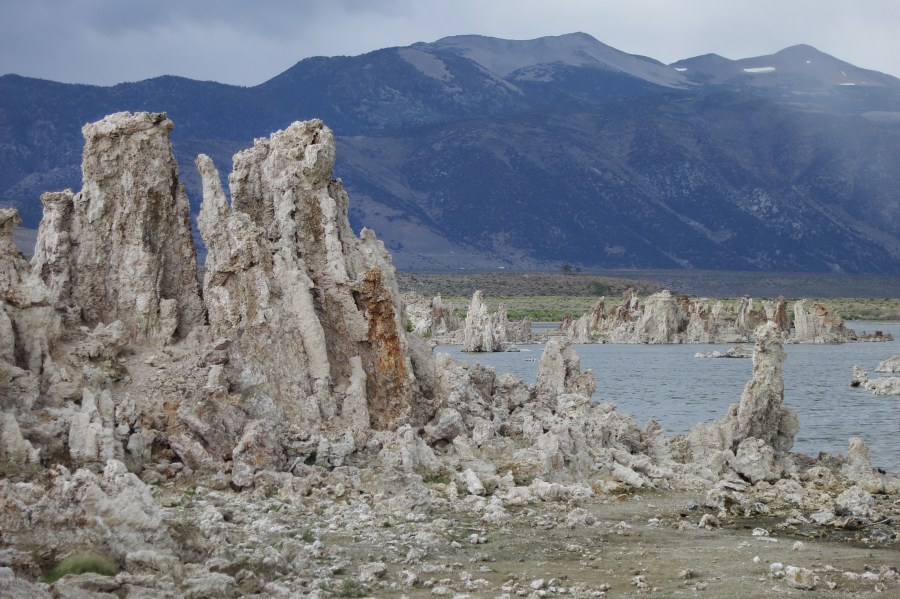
column 81, row 563
column 515, row 284
column 547, row 297
column 866, row 308
column 539, row 308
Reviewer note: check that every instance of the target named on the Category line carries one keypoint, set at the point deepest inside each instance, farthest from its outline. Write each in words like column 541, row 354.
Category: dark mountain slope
column 654, row 185
column 473, row 151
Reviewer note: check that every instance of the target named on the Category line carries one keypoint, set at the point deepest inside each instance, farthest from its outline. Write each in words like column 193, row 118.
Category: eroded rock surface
column 433, row 319
column 484, row 332
column 664, row 318
column 756, row 432
column 816, row 323
column 314, row 325
column 121, row 248
column 879, row 385
column 892, row 364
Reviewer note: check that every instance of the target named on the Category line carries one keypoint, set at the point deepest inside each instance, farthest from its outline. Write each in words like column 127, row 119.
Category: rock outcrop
column 892, row 364
column 311, row 315
column 818, row 324
column 433, row 319
column 551, row 431
column 121, row 248
column 738, row 351
column 884, row 385
column 484, row 332
column 756, row 432
column 29, row 325
column 664, row 318
column 306, row 335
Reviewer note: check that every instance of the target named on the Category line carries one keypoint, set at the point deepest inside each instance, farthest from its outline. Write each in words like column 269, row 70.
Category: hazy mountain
column 525, row 60
column 475, row 152
column 799, row 76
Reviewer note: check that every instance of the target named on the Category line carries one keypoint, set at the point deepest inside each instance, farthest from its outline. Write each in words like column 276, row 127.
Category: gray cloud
column 242, row 42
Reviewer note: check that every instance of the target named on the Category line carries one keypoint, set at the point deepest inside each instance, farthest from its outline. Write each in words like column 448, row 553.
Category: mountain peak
column 794, row 67
column 504, row 57
column 801, row 49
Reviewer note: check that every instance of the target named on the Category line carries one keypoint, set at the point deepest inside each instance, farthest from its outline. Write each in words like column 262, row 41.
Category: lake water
column 667, row 383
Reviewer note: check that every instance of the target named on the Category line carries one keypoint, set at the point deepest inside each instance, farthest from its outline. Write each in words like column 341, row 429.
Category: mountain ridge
column 626, row 163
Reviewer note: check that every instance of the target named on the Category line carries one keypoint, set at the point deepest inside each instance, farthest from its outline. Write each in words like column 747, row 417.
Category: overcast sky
column 247, row 42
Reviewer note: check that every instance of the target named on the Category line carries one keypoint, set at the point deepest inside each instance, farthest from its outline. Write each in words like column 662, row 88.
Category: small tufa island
column 277, row 431
column 660, row 318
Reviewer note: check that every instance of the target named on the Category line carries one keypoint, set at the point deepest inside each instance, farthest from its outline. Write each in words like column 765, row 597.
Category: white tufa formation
column 121, row 248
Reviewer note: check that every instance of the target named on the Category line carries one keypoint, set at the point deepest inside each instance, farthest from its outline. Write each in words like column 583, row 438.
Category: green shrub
column 436, row 479
column 352, row 588
column 598, row 288
column 81, row 563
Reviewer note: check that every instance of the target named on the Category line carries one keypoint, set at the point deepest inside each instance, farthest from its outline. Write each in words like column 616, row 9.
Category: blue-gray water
column 667, row 383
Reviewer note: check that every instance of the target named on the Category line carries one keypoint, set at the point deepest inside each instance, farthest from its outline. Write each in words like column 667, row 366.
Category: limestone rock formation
column 664, row 318
column 433, row 319
column 860, row 377
column 885, row 385
column 484, row 332
column 82, row 511
column 585, row 328
column 858, row 468
column 13, row 266
column 312, row 313
column 659, row 322
column 760, row 413
column 892, row 364
column 738, row 351
column 760, row 429
column 121, row 248
column 817, row 324
column 559, row 372
column 17, row 455
column 29, row 326
column 552, row 431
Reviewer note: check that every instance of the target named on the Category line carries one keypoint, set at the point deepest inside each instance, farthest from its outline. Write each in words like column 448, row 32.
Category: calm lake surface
column 667, row 383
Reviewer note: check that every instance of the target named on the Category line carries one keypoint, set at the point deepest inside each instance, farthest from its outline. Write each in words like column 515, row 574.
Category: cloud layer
column 232, row 41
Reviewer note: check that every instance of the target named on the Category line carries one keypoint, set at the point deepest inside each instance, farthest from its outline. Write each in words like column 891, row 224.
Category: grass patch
column 436, row 479
column 348, row 588
column 81, row 563
column 352, row 588
column 551, row 296
column 523, row 480
column 554, row 308
column 539, row 308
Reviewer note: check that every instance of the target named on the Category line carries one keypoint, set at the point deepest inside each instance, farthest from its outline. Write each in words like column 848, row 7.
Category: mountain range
column 476, row 152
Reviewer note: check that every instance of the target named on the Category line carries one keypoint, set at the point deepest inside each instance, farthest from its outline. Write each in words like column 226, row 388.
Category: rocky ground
column 621, row 545
column 338, row 533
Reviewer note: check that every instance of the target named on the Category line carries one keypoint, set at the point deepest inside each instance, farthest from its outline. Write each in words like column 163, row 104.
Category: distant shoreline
column 698, row 283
